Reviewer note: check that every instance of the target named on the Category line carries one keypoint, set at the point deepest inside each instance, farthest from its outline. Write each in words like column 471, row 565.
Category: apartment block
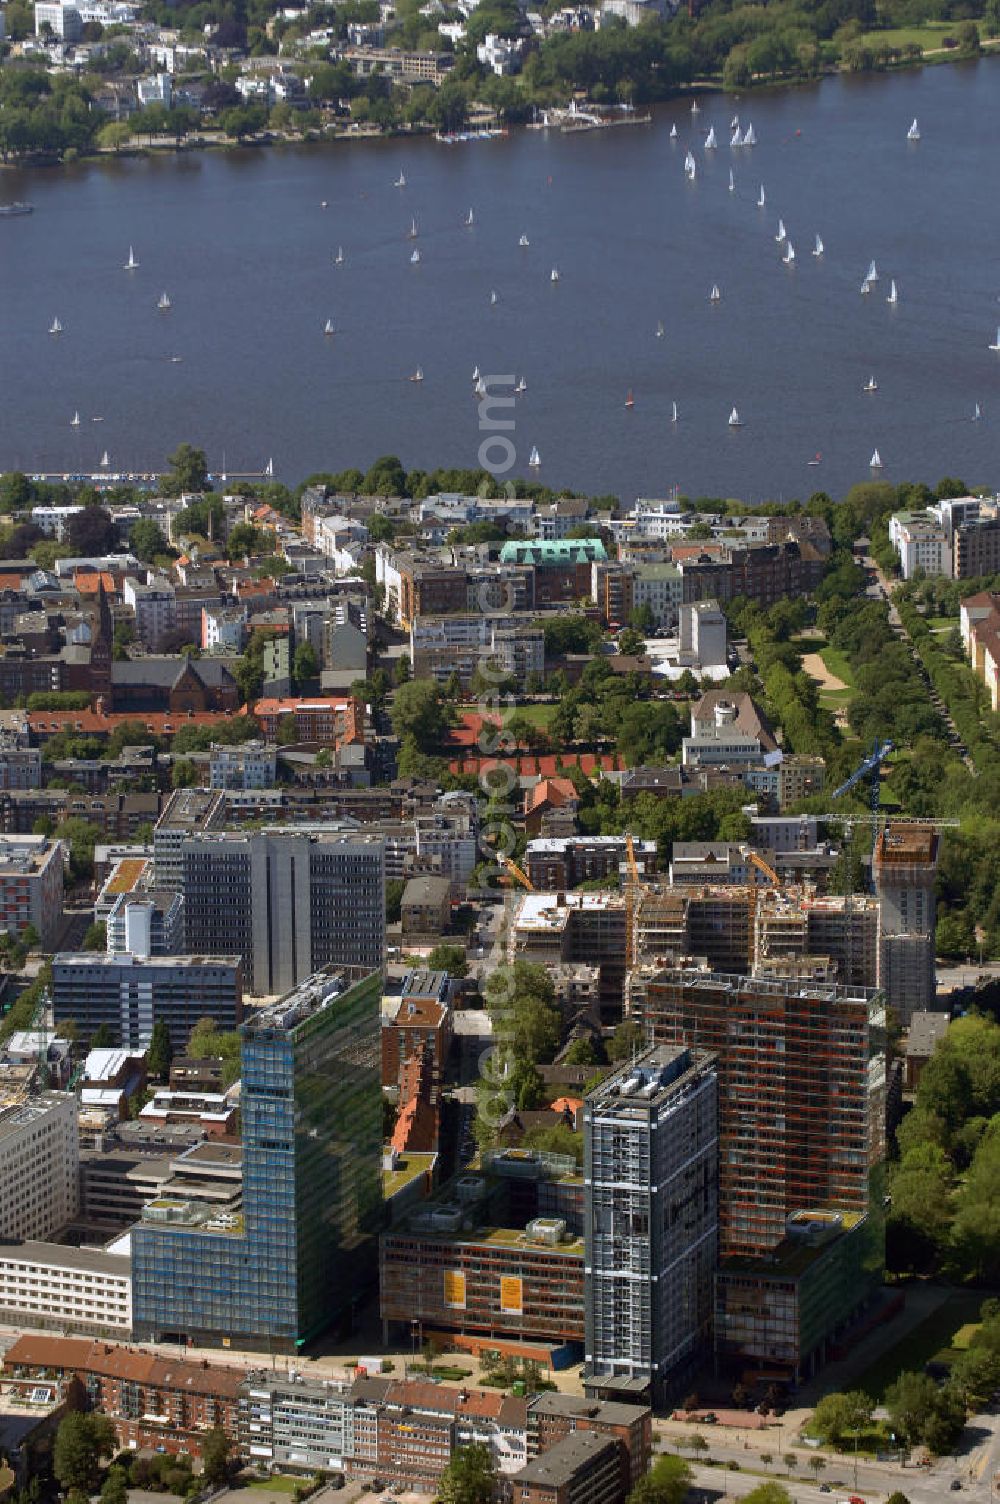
column 905, row 866
column 153, row 1402
column 550, row 929
column 464, row 644
column 555, row 863
column 146, row 922
column 31, row 886
column 39, row 1166
column 245, row 765
column 977, row 548
column 553, row 1416
column 584, row 1468
column 651, row 1157
column 127, row 994
column 802, row 1082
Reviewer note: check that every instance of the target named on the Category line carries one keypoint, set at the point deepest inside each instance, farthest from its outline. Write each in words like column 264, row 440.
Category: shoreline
column 218, row 141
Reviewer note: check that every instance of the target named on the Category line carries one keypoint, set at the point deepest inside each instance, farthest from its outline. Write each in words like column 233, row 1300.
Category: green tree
column 96, row 937
column 836, row 1414
column 394, row 899
column 81, row 1441
column 216, row 1450
column 910, row 1402
column 188, row 470
column 421, row 712
column 160, row 1052
column 114, row 1489
column 626, row 1039
column 102, row 1038
column 305, row 664
column 770, row 1492
column 81, row 838
column 469, row 1477
column 450, row 958
column 146, row 540
column 184, row 774
column 667, row 1482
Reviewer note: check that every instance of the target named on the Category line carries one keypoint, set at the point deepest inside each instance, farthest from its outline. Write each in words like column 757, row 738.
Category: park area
column 941, row 1336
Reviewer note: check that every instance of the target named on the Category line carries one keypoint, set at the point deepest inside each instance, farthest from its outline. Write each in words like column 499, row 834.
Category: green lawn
column 935, row 1338
column 278, row 1483
column 837, row 663
column 929, row 36
column 539, row 715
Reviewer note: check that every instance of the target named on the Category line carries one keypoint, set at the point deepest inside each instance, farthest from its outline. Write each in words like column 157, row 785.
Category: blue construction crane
column 870, row 768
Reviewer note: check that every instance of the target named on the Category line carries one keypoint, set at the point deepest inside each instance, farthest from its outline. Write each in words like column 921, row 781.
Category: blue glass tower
column 295, row 1260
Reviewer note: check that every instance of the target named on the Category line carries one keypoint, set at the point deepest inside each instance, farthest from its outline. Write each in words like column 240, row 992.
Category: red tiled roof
column 554, row 790
column 88, row 581
column 100, row 723
column 543, row 767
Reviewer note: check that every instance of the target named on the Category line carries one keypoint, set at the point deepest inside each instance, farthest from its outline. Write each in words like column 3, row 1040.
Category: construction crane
column 754, row 898
column 870, row 768
column 514, row 870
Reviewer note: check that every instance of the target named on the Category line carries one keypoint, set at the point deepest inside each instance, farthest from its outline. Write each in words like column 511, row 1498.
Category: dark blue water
column 242, row 246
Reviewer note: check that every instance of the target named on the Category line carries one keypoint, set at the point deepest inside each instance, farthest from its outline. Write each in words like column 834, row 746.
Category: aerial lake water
column 240, row 242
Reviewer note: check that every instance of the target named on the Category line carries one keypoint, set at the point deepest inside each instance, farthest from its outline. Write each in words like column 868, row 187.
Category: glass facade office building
column 297, row 1257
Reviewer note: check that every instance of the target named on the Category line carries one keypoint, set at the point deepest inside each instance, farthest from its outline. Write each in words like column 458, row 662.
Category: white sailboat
column 875, row 463
column 872, row 273
column 690, row 167
column 269, row 469
column 401, row 180
column 131, row 263
column 710, row 142
column 475, row 375
column 695, row 107
column 734, row 123
column 418, row 374
column 163, row 302
column 818, row 247
column 996, row 346
column 338, row 260
column 871, row 385
column 412, row 232
column 977, row 413
column 105, row 460
column 524, row 241
column 522, row 385
column 913, row 134
column 735, row 421
column 782, row 232
column 732, row 181
column 736, row 139
column 480, row 388
column 55, row 327
column 415, row 258
column 893, row 297
column 715, row 295
column 789, row 255
column 554, row 274
column 750, row 136
column 493, row 300
column 660, row 331
column 760, row 197
column 866, row 288
column 534, row 458
column 673, row 133
column 74, row 422
column 328, row 327
column 470, row 218
column 673, row 412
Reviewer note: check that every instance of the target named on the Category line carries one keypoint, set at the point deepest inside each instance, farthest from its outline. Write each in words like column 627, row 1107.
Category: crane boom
column 869, row 768
column 515, row 871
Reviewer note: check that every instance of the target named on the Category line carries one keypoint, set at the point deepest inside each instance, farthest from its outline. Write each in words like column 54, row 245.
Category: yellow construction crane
column 631, row 898
column 515, row 871
column 754, row 897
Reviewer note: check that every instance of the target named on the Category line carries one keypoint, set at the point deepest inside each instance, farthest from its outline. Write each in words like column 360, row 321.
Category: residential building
column 701, row 636
column 288, row 901
column 553, row 1416
column 921, row 543
column 727, row 728
column 64, row 21
column 904, row 867
column 801, row 1073
column 187, row 813
column 20, row 766
column 553, row 928
column 126, row 994
column 31, row 886
column 39, row 1166
column 584, row 1468
column 154, row 607
column 331, row 719
column 554, row 863
column 295, row 1423
column 406, row 67
column 977, row 548
column 465, row 644
column 223, row 629
column 419, row 1019
column 155, row 1403
column 651, row 1169
column 64, row 1289
column 426, row 906
column 301, row 1252
column 243, row 765
column 922, row 1038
